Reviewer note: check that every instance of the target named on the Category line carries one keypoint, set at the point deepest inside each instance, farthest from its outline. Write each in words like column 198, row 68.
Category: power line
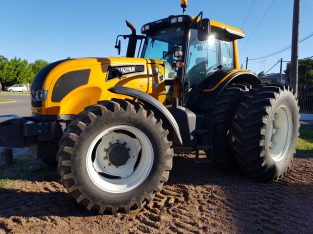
column 259, row 24
column 283, row 49
column 249, row 12
column 272, row 67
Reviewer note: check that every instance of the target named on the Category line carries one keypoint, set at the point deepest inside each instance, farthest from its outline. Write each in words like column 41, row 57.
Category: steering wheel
column 169, row 52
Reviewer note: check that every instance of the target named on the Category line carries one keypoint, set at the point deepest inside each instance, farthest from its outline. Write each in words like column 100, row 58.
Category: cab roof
column 236, row 33
column 216, row 27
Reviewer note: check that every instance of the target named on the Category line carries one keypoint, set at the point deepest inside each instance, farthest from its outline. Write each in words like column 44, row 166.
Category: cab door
column 203, row 59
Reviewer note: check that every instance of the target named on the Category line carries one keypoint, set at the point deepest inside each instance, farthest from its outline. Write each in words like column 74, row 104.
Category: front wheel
column 114, row 157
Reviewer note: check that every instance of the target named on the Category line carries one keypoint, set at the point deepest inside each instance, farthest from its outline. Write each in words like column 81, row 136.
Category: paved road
column 21, row 106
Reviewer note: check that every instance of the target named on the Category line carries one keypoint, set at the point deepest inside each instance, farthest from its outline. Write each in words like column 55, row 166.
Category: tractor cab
column 191, row 49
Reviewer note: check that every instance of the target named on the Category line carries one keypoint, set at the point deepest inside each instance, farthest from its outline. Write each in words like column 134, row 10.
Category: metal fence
column 306, row 104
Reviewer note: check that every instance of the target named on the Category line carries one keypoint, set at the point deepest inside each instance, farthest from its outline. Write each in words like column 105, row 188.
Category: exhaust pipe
column 132, row 43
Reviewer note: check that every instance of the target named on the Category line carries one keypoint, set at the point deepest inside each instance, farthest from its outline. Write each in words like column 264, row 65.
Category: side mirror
column 118, row 47
column 203, row 29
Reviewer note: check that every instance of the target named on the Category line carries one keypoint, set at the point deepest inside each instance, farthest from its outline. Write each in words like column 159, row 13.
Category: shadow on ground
column 250, row 206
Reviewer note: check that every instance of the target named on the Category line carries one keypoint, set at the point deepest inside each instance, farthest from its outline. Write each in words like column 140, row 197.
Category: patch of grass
column 5, row 100
column 15, row 93
column 24, row 169
column 5, row 182
column 305, row 141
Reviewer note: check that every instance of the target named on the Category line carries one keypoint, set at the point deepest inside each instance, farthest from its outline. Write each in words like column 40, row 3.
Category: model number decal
column 126, row 70
column 119, row 71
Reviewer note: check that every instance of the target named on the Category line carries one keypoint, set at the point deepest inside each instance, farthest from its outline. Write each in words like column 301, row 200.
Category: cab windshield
column 162, row 44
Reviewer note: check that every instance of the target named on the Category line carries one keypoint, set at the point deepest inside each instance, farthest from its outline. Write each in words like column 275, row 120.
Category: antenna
column 184, row 4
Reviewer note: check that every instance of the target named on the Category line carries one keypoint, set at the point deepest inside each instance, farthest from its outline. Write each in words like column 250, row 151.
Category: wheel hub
column 119, row 159
column 118, row 154
column 281, row 132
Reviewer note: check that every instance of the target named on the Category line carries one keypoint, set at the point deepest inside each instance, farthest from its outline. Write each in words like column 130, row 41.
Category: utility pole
column 294, row 68
column 281, row 71
column 247, row 61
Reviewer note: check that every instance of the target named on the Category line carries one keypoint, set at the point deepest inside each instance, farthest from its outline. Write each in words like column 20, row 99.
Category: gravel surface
column 197, row 199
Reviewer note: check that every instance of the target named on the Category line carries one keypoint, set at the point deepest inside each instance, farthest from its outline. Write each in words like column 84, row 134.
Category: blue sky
column 53, row 30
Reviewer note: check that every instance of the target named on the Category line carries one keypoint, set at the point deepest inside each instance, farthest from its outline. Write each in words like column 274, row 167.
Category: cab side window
column 227, row 54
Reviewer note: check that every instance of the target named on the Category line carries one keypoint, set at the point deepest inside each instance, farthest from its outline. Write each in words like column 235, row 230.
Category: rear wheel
column 223, row 116
column 114, row 157
column 265, row 131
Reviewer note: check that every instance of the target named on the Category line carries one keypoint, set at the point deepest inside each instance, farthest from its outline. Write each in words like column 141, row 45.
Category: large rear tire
column 223, row 116
column 265, row 131
column 114, row 157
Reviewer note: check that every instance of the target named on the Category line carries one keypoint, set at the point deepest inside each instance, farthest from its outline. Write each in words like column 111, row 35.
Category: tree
column 7, row 73
column 38, row 65
column 3, row 61
column 305, row 77
column 18, row 71
column 24, row 72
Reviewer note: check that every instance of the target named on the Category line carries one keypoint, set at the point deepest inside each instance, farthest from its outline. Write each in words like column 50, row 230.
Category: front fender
column 158, row 107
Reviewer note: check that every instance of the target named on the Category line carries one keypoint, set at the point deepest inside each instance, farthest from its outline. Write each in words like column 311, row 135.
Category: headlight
column 174, row 20
column 180, row 19
column 145, row 28
column 39, row 95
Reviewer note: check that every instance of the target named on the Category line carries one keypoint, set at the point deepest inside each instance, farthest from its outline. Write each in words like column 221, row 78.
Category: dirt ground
column 197, row 199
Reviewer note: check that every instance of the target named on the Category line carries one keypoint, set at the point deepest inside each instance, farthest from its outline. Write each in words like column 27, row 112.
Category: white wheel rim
column 281, row 133
column 120, row 179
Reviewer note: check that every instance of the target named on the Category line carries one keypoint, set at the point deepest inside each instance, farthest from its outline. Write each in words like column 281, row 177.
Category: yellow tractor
column 113, row 124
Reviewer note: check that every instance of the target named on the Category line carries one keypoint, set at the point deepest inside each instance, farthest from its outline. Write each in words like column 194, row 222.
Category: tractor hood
column 75, row 64
column 58, row 82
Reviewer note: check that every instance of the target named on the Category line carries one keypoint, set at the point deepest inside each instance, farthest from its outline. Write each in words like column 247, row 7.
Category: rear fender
column 240, row 78
column 215, row 84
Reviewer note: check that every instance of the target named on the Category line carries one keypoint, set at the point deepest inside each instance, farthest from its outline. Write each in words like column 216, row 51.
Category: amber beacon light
column 184, row 4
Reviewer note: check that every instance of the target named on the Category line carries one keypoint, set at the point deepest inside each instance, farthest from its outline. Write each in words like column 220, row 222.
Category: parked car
column 17, row 88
